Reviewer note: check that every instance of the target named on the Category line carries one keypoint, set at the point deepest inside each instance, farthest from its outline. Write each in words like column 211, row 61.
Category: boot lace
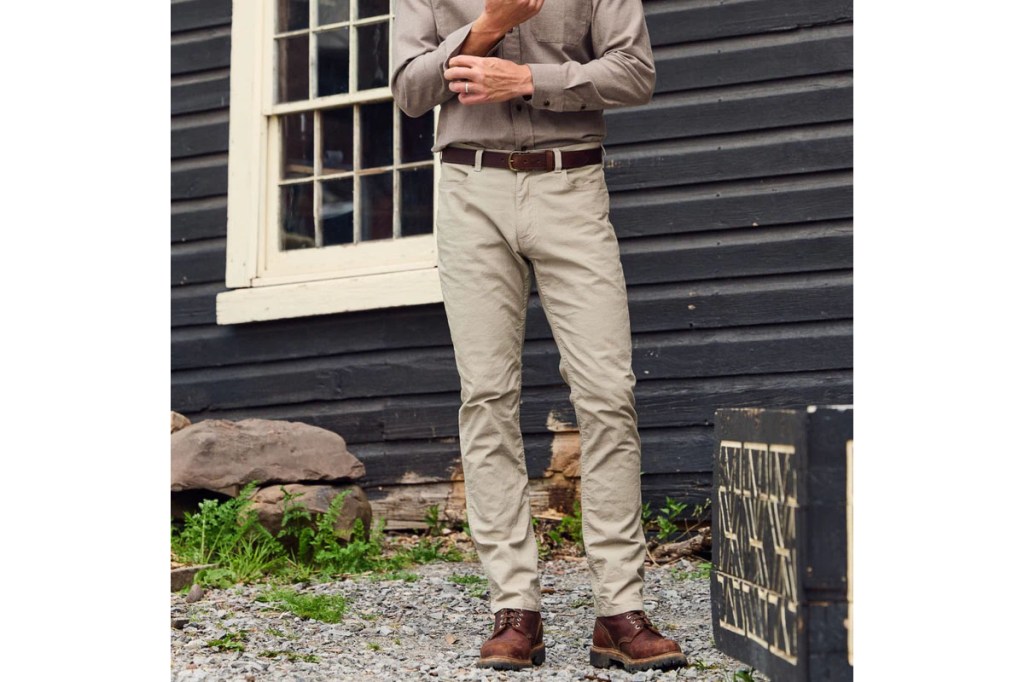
column 510, row 617
column 639, row 620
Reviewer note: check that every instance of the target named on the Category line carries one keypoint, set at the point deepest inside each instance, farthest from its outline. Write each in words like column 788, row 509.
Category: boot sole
column 505, row 663
column 604, row 658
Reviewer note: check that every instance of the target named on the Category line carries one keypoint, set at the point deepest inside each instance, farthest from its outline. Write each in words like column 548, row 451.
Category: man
column 522, row 85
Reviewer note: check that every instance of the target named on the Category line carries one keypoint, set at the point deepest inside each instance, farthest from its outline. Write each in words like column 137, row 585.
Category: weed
column 478, row 592
column 278, row 633
column 373, row 646
column 397, row 641
column 668, row 519
column 743, row 675
column 425, row 551
column 703, row 572
column 307, row 547
column 369, row 616
column 255, row 554
column 231, row 641
column 582, row 601
column 322, row 607
column 467, row 579
column 228, row 534
column 701, row 665
column 433, row 520
column 571, row 525
column 667, row 522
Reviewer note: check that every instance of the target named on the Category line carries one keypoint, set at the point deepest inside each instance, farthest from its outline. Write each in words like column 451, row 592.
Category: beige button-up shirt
column 585, row 56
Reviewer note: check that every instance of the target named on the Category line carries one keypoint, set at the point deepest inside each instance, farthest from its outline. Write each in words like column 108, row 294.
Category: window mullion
column 318, row 170
column 357, row 164
column 396, row 177
column 314, row 86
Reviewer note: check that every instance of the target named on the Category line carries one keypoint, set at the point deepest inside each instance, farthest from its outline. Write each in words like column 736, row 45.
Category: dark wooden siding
column 732, row 198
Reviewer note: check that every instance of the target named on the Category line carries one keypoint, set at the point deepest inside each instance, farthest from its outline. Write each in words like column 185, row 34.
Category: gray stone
column 223, row 456
column 195, row 594
column 183, row 576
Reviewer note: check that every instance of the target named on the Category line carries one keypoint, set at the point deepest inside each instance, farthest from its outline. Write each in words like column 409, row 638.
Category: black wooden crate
column 779, row 589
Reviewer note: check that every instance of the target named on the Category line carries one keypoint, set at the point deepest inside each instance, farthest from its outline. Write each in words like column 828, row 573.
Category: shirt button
column 523, row 148
column 519, row 107
column 583, row 106
column 547, row 102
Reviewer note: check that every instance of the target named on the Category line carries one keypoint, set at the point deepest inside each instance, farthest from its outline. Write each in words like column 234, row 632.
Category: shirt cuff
column 452, row 45
column 549, row 88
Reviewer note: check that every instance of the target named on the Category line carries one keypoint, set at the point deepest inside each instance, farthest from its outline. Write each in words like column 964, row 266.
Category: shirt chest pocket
column 561, row 21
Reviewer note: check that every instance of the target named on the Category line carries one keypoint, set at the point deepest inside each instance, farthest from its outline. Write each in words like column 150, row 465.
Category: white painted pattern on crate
column 756, row 511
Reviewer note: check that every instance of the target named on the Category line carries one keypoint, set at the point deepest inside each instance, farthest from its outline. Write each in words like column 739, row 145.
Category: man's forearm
column 482, row 38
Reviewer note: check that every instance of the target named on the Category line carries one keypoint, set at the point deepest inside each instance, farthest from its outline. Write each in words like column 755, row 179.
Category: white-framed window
column 330, row 186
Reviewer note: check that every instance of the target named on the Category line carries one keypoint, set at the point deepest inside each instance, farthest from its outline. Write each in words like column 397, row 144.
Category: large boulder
column 268, row 502
column 223, row 455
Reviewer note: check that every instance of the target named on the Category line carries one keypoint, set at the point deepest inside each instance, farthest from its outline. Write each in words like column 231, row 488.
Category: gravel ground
column 429, row 629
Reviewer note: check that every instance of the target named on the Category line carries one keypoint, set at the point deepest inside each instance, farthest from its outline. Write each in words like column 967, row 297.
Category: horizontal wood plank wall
column 732, row 198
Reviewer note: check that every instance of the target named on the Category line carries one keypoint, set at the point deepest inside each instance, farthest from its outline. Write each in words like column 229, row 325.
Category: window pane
column 373, row 56
column 375, row 221
column 332, row 11
column 373, row 8
column 417, row 137
column 417, row 201
column 336, row 214
column 378, row 133
column 336, row 127
column 292, row 15
column 293, row 68
column 297, row 145
column 297, row 230
column 332, row 62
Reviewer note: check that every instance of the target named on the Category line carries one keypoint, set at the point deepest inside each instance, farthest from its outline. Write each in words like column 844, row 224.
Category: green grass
column 373, row 646
column 231, row 641
column 327, row 608
column 306, row 549
column 744, row 675
column 467, row 579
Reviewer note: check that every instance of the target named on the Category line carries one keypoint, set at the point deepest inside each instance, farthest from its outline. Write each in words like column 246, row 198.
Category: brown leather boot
column 517, row 641
column 630, row 640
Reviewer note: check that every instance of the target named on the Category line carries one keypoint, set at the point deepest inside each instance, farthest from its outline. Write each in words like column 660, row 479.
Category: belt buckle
column 510, row 162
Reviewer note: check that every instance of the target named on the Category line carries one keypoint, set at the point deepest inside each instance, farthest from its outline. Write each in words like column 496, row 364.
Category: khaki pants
column 490, row 222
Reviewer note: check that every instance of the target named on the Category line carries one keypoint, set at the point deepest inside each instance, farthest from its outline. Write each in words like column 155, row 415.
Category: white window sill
column 323, row 297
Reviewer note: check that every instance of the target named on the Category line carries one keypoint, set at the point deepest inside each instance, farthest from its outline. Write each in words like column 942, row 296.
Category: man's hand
column 497, row 19
column 489, row 79
column 503, row 15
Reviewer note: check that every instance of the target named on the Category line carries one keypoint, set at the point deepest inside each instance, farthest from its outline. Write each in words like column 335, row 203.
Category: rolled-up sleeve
column 419, row 57
column 622, row 73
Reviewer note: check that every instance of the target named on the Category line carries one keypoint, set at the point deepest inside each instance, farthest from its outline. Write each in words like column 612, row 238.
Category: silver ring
column 467, row 87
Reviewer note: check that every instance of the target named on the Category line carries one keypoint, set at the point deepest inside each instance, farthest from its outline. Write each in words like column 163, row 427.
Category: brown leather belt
column 524, row 161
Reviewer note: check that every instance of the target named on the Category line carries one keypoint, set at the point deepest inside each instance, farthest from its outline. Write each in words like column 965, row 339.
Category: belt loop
column 479, row 160
column 558, row 159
